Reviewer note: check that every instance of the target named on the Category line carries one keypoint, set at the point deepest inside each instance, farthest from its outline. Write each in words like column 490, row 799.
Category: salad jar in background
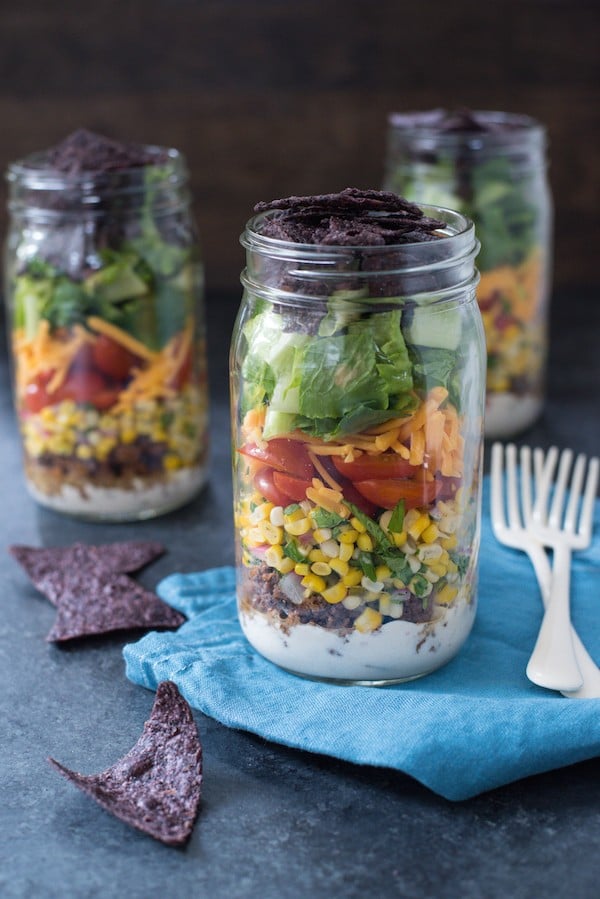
column 491, row 166
column 357, row 383
column 104, row 291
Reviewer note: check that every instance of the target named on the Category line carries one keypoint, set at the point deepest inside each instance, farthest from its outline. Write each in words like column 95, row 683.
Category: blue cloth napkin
column 473, row 725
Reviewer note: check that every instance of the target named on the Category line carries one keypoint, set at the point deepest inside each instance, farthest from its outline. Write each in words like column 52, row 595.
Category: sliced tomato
column 86, row 387
column 183, row 374
column 351, row 494
column 36, row 397
column 365, row 467
column 283, row 454
column 112, row 359
column 263, row 481
column 386, row 494
column 294, row 487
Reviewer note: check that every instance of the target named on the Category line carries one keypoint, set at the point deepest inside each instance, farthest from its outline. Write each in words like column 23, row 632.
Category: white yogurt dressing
column 116, row 504
column 400, row 650
column 507, row 414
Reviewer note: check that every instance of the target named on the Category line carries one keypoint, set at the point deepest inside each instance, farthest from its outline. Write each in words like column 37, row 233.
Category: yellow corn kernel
column 438, row 568
column 322, row 534
column 314, row 583
column 273, row 556
column 261, row 512
column 255, row 537
column 358, row 525
column 430, row 534
column 368, row 621
column 298, row 527
column 171, row 462
column 128, row 435
column 382, row 572
column 353, row 578
column 416, row 529
column 451, row 566
column 334, row 594
column 346, row 550
column 446, row 595
column 449, row 542
column 286, row 565
column 320, row 568
column 340, row 567
column 348, row 537
column 400, row 539
column 365, row 543
column 317, row 555
column 84, row 451
column 296, row 515
column 302, row 568
column 271, row 533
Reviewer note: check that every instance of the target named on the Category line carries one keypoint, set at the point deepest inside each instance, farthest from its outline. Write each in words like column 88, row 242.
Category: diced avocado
column 439, row 328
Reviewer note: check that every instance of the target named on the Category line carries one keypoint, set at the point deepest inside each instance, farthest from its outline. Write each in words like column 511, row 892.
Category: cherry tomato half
column 112, row 359
column 86, row 387
column 386, row 465
column 263, row 481
column 386, row 494
column 283, row 454
column 36, row 396
column 294, row 488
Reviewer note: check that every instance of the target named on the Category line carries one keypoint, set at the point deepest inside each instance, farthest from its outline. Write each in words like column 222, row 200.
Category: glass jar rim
column 515, row 128
column 33, row 173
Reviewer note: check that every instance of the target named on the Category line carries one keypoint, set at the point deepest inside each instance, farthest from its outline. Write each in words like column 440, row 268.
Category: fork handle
column 553, row 663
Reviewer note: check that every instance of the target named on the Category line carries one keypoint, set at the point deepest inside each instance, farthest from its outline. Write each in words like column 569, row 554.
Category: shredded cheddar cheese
column 156, row 380
column 428, row 438
column 46, row 352
column 121, row 337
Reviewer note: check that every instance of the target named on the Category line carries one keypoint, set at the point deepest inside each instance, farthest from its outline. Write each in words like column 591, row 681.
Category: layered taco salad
column 107, row 338
column 490, row 167
column 357, row 445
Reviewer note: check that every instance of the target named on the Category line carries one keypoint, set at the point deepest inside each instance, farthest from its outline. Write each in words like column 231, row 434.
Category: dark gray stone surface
column 274, row 822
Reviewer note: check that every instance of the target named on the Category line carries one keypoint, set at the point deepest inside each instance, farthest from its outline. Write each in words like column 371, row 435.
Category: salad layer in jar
column 491, row 167
column 105, row 285
column 357, row 428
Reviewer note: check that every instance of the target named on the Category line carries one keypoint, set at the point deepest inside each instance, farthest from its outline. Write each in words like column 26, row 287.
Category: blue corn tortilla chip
column 90, row 587
column 156, row 787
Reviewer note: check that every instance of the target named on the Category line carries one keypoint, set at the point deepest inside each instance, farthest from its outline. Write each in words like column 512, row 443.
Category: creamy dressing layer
column 399, row 650
column 507, row 414
column 115, row 504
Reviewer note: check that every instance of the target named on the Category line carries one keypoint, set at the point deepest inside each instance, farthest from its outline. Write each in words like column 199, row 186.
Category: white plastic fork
column 553, row 663
column 512, row 531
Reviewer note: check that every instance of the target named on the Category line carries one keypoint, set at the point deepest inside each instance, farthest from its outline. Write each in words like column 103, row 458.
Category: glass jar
column 491, row 166
column 357, row 385
column 104, row 290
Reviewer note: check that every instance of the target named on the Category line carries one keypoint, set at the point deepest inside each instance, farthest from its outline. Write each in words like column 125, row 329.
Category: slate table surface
column 274, row 822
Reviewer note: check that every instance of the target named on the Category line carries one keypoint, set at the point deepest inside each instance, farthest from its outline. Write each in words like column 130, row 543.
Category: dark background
column 269, row 98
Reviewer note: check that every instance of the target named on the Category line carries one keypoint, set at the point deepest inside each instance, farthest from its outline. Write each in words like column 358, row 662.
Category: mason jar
column 357, row 388
column 104, row 293
column 491, row 166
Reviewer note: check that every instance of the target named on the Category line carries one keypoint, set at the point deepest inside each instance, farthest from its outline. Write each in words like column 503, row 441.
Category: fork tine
column 545, row 466
column 497, row 499
column 512, row 487
column 526, row 490
column 587, row 507
column 560, row 489
column 575, row 491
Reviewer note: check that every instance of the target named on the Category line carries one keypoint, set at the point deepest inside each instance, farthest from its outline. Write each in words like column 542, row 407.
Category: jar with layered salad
column 104, row 293
column 357, row 385
column 491, row 166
